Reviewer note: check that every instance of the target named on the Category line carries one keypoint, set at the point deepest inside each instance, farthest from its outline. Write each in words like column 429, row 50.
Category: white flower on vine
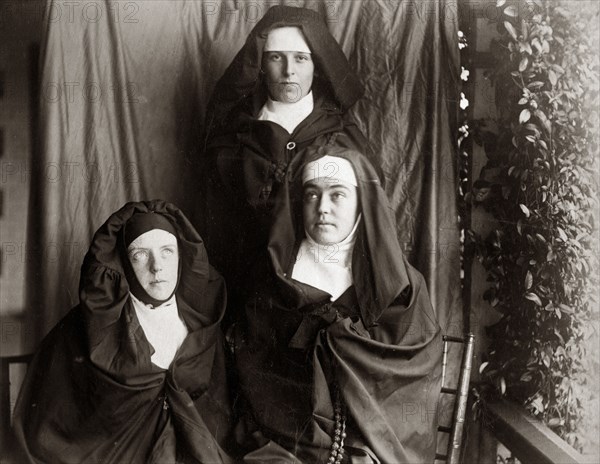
column 464, row 103
column 464, row 74
column 462, row 41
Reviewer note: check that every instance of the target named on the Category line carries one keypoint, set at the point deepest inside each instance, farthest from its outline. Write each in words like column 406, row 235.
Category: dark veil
column 334, row 77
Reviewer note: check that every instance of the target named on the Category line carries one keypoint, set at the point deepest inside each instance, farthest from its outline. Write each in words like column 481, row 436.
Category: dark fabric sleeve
column 69, row 411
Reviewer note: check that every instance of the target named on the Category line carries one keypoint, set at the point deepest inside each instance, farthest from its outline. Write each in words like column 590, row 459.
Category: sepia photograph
column 299, row 231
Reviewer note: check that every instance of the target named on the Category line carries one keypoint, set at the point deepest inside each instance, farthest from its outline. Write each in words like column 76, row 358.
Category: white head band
column 289, row 39
column 333, row 168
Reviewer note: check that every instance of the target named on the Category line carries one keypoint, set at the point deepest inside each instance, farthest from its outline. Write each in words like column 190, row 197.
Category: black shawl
column 91, row 393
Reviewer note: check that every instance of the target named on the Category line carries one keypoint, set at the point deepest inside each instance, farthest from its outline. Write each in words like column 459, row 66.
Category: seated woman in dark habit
column 289, row 85
column 135, row 373
column 339, row 350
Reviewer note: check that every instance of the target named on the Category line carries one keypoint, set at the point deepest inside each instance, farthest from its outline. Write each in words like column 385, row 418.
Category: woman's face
column 330, row 209
column 154, row 256
column 289, row 74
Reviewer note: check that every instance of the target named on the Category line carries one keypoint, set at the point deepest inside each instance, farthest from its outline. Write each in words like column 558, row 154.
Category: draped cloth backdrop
column 123, row 93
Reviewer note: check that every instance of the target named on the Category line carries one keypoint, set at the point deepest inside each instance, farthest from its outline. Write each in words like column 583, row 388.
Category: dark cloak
column 246, row 160
column 379, row 342
column 91, row 393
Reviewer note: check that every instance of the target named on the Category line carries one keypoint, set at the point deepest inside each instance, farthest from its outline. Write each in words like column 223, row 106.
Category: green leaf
column 523, row 64
column 566, row 309
column 524, row 116
column 551, row 77
column 525, row 210
column 525, row 47
column 526, row 377
column 538, row 405
column 546, row 359
column 546, row 124
column 511, row 11
column 535, row 85
column 533, row 297
column 500, row 3
column 528, row 280
column 557, row 312
column 537, row 44
column 483, row 366
column 524, row 30
column 562, row 234
column 545, row 46
column 555, row 422
column 533, row 128
column 511, row 30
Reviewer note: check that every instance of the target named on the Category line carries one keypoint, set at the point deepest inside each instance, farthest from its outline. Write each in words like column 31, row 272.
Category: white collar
column 139, row 303
column 165, row 330
column 287, row 115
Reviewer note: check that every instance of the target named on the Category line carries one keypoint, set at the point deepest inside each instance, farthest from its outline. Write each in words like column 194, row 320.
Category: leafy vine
column 540, row 185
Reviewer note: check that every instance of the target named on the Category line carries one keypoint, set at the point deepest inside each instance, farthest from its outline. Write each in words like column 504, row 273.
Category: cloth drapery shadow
column 124, row 88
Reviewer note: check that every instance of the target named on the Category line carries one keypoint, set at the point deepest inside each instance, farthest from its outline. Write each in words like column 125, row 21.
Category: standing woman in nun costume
column 136, row 372
column 338, row 351
column 288, row 86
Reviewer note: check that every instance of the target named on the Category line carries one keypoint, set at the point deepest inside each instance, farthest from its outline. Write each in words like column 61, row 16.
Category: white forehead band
column 332, row 168
column 288, row 39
